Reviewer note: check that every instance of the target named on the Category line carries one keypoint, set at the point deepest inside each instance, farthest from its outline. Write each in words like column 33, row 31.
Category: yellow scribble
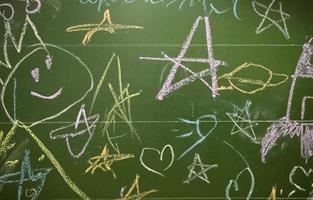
column 101, row 83
column 50, row 156
column 41, row 157
column 5, row 142
column 121, row 108
column 11, row 163
column 105, row 160
column 105, row 25
column 230, row 77
column 273, row 194
column 137, row 195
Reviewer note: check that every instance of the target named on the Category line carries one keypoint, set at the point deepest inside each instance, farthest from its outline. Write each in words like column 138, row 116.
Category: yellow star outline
column 105, row 160
column 137, row 195
column 105, row 25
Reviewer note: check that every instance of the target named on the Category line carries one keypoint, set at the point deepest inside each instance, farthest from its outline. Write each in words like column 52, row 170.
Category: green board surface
column 88, row 119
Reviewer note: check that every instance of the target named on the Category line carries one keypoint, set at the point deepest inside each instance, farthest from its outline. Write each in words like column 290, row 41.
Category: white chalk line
column 174, row 45
column 189, row 198
column 158, row 121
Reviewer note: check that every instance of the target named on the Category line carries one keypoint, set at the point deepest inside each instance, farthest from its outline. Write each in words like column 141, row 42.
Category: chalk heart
column 306, row 173
column 235, row 184
column 165, row 149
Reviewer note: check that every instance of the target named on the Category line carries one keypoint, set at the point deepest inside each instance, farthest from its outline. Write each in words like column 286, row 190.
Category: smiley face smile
column 51, row 97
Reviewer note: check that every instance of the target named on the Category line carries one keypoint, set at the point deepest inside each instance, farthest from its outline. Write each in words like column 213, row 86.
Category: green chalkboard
column 156, row 99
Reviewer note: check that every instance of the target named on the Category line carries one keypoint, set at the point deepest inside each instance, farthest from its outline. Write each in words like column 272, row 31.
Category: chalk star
column 105, row 160
column 203, row 169
column 131, row 195
column 213, row 64
column 105, row 25
column 262, row 27
column 65, row 132
column 25, row 175
column 241, row 117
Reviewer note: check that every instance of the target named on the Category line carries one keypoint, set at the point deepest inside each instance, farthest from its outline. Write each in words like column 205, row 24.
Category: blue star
column 27, row 175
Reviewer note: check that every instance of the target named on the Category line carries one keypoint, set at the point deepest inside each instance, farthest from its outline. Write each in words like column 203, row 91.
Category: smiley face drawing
column 47, row 82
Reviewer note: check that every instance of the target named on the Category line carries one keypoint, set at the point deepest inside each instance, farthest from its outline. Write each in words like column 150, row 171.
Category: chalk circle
column 4, row 7
column 33, row 7
column 79, row 65
column 231, row 77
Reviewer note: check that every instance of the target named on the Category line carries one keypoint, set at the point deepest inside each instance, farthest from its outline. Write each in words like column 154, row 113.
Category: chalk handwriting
column 283, row 16
column 161, row 153
column 201, row 174
column 168, row 87
column 26, row 174
column 243, row 123
column 89, row 128
column 207, row 6
column 105, row 160
column 131, row 194
column 105, row 25
column 285, row 126
column 197, row 130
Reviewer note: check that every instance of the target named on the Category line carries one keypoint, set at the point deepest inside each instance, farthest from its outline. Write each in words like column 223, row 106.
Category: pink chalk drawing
column 285, row 126
column 168, row 87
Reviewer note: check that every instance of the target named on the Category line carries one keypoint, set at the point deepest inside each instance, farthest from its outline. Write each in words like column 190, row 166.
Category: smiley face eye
column 48, row 61
column 35, row 74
